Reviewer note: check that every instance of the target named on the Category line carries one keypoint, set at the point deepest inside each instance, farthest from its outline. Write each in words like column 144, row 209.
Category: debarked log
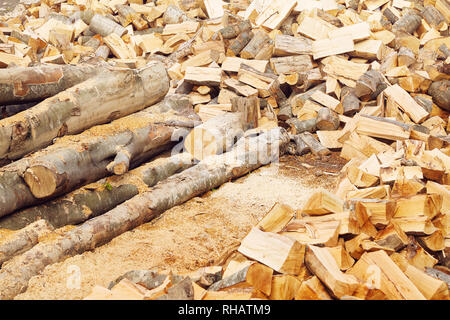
column 248, row 154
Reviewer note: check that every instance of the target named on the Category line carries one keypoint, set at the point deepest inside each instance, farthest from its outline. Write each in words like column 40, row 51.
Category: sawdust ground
column 198, row 233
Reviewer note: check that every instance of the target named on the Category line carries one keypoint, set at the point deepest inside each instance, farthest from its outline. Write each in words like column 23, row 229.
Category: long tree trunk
column 248, row 154
column 22, row 240
column 77, row 160
column 105, row 97
column 101, row 196
column 26, row 84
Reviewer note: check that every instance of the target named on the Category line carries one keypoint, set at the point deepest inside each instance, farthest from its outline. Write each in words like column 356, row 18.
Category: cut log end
column 41, row 180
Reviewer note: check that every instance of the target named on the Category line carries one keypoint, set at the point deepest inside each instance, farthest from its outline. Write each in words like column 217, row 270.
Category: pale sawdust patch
column 185, row 238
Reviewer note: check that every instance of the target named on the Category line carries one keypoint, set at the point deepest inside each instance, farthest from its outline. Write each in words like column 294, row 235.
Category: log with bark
column 20, row 241
column 55, row 170
column 27, row 84
column 248, row 154
column 100, row 99
column 101, row 196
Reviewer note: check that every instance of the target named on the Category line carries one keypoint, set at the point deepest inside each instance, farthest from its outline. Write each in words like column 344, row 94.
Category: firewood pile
column 93, row 94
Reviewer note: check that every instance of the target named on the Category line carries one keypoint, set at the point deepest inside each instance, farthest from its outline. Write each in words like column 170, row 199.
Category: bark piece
column 249, row 109
column 298, row 63
column 440, row 91
column 232, row 31
column 300, row 126
column 408, row 23
column 299, row 147
column 259, row 40
column 242, row 40
column 144, row 207
column 288, row 45
column 368, row 83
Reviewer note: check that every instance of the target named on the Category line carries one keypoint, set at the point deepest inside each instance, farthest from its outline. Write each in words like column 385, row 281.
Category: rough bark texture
column 56, row 169
column 26, row 84
column 101, row 196
column 234, row 30
column 327, row 119
column 300, row 126
column 440, row 91
column 368, row 83
column 98, row 100
column 248, row 154
column 350, row 102
column 297, row 146
column 22, row 240
column 316, row 147
column 103, row 26
column 12, row 109
column 240, row 42
column 408, row 23
column 259, row 40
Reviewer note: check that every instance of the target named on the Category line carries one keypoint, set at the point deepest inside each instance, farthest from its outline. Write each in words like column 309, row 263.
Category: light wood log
column 94, row 101
column 20, row 241
column 104, row 26
column 259, row 40
column 316, row 147
column 440, row 91
column 37, row 83
column 327, row 119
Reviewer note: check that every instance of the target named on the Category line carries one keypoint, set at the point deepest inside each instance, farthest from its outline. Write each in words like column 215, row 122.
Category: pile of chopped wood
column 92, row 90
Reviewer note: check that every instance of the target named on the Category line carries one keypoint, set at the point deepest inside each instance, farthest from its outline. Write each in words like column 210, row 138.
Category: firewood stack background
column 92, row 94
